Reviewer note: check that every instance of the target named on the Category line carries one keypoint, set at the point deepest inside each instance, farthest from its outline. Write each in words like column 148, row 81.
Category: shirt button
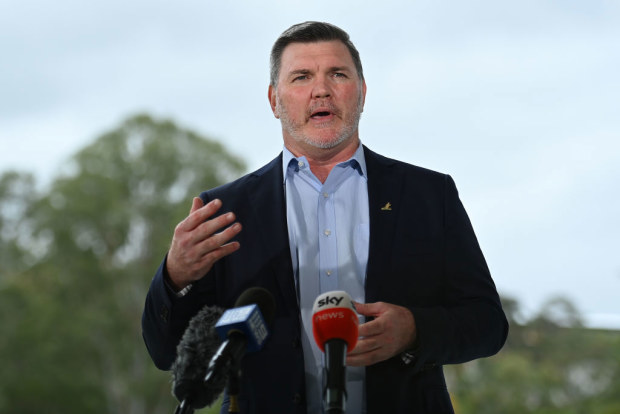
column 326, row 195
column 301, row 164
column 328, row 273
column 327, row 232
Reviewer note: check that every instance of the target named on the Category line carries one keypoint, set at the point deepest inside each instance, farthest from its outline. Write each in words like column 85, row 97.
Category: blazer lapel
column 266, row 196
column 384, row 196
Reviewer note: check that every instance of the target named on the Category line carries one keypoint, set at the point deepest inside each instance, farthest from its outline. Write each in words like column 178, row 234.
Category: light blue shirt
column 328, row 228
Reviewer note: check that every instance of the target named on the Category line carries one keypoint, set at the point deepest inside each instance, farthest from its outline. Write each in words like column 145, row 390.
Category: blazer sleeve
column 468, row 322
column 165, row 316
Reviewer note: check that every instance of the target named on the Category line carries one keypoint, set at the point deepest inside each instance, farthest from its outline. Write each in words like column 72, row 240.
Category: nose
column 321, row 88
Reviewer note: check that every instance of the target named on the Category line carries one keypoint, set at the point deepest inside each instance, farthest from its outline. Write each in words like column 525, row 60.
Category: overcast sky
column 517, row 101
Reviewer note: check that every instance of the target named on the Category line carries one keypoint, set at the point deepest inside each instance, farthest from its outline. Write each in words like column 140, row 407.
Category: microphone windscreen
column 196, row 348
column 334, row 317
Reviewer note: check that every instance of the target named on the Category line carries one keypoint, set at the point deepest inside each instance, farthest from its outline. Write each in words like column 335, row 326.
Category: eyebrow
column 331, row 70
column 299, row 72
column 340, row 69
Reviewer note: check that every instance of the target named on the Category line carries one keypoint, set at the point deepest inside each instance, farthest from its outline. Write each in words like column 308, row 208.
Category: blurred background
column 113, row 115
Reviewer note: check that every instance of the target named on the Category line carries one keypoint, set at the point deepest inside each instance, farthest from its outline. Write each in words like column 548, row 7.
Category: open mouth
column 320, row 114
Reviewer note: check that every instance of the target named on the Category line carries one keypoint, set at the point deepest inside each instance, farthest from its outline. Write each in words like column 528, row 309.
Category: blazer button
column 163, row 314
column 297, row 398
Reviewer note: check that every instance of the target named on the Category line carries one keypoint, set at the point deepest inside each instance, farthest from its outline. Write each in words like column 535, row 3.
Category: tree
column 550, row 364
column 17, row 192
column 83, row 255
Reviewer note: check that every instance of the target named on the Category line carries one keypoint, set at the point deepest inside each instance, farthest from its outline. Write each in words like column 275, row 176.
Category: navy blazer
column 423, row 255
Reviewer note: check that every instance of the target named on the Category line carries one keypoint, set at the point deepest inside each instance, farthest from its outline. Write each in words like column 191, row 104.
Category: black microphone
column 243, row 329
column 198, row 383
column 198, row 344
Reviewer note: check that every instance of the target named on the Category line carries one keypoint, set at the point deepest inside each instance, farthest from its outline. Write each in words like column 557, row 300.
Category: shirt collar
column 357, row 162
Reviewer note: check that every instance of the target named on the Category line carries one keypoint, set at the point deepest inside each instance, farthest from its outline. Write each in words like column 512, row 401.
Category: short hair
column 310, row 32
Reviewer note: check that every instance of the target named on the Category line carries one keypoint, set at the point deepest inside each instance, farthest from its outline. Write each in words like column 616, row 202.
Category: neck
column 322, row 160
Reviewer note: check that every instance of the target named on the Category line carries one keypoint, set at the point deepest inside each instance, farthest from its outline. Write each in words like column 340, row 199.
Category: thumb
column 196, row 204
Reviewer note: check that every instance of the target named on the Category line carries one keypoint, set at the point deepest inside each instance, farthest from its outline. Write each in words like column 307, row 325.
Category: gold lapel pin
column 387, row 207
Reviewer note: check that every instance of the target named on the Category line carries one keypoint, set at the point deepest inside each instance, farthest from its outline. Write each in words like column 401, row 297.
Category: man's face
column 319, row 96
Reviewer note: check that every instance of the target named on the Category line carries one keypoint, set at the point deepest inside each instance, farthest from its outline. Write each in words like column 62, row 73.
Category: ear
column 363, row 94
column 271, row 95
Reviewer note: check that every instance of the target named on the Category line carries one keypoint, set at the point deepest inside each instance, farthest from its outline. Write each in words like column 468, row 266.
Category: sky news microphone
column 198, row 345
column 335, row 328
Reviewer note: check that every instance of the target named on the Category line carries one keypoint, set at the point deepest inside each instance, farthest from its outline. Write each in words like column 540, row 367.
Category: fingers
column 217, row 253
column 199, row 241
column 198, row 214
column 366, row 352
column 369, row 309
column 198, row 232
column 207, row 231
column 215, row 245
column 374, row 327
column 390, row 332
column 196, row 204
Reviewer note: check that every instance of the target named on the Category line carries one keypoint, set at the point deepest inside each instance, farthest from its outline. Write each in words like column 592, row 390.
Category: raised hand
column 199, row 241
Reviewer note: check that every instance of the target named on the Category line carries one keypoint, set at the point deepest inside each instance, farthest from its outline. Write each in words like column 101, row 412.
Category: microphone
column 243, row 329
column 335, row 329
column 198, row 379
column 197, row 346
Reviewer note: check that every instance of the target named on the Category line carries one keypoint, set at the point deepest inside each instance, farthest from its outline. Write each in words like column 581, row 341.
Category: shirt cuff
column 181, row 292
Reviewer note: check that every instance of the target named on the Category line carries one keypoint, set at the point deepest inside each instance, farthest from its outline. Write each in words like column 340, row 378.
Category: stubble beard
column 295, row 129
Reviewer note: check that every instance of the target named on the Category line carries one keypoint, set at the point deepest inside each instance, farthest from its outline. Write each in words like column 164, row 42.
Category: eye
column 339, row 75
column 300, row 78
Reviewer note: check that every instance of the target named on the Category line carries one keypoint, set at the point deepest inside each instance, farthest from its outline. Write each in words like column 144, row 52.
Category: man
column 330, row 214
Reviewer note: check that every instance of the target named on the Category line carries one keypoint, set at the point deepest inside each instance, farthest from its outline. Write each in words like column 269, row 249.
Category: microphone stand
column 234, row 386
column 184, row 408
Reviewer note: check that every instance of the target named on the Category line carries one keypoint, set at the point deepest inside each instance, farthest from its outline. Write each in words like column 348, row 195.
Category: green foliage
column 17, row 192
column 77, row 263
column 550, row 365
